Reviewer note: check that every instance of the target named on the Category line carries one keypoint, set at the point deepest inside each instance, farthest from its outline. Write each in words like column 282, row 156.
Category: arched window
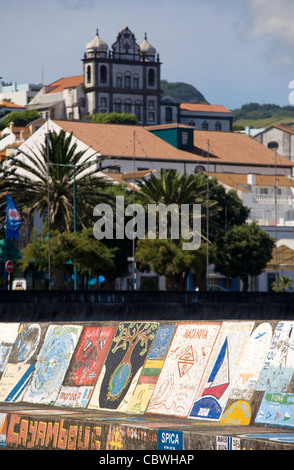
column 218, row 126
column 151, row 77
column 117, row 106
column 89, row 74
column 128, row 106
column 138, row 109
column 103, row 74
column 128, row 82
column 205, row 125
column 119, row 80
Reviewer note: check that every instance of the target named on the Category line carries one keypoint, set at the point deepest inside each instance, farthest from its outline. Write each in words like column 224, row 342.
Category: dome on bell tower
column 146, row 48
column 97, row 45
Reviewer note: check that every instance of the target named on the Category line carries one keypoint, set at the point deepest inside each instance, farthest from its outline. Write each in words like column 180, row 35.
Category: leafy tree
column 90, row 255
column 19, row 118
column 242, row 251
column 26, row 180
column 167, row 258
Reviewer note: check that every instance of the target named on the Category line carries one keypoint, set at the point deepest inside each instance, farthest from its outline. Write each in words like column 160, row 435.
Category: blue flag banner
column 13, row 219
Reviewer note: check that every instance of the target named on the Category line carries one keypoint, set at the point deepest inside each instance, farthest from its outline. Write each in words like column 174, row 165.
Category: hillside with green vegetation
column 182, row 92
column 263, row 115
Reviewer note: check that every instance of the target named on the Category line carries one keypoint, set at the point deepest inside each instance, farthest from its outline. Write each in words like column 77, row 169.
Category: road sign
column 9, row 266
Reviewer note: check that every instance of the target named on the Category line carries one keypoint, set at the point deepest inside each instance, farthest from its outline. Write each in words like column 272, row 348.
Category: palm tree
column 26, row 179
column 170, row 188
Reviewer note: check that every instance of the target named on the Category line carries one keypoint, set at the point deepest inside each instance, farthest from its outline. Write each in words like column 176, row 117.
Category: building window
column 192, row 124
column 168, row 114
column 114, row 169
column 151, row 117
column 136, row 83
column 103, row 74
column 218, row 126
column 205, row 125
column 82, row 102
column 185, row 138
column 119, row 81
column 138, row 109
column 127, row 80
column 128, row 106
column 273, row 145
column 103, row 102
column 151, row 77
column 151, row 104
column 117, row 106
column 89, row 74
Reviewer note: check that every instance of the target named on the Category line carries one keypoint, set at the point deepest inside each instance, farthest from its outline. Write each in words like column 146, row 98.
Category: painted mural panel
column 8, row 334
column 276, row 409
column 85, row 366
column 21, row 361
column 252, row 362
column 183, row 369
column 52, row 363
column 278, row 367
column 123, row 365
column 152, row 369
column 222, row 370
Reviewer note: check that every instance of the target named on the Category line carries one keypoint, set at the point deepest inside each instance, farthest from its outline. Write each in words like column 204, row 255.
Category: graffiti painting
column 222, row 370
column 252, row 362
column 152, row 369
column 8, row 335
column 278, row 367
column 91, row 353
column 276, row 409
column 183, row 369
column 123, row 365
column 52, row 363
column 21, row 361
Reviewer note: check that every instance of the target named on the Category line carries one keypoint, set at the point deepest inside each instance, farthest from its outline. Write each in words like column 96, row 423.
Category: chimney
column 251, row 179
column 11, row 124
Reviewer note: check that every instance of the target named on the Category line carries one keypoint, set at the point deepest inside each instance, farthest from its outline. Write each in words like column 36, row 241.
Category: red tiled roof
column 63, row 83
column 116, row 140
column 7, row 104
column 204, row 108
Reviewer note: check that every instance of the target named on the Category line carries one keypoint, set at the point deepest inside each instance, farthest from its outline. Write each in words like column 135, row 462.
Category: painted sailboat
column 219, row 377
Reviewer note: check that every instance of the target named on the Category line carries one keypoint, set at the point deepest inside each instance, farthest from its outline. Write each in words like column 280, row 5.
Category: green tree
column 19, row 118
column 90, row 256
column 242, row 251
column 26, row 180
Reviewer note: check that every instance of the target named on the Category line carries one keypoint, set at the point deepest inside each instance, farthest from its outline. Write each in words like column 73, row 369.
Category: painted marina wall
column 232, row 372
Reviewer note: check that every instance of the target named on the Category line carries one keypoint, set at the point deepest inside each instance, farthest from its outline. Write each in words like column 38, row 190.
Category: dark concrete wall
column 123, row 305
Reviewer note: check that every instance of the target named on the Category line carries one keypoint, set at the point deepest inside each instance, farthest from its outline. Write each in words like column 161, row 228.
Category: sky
column 233, row 51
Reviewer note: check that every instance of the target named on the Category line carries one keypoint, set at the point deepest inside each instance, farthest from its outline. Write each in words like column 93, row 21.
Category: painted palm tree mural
column 127, row 355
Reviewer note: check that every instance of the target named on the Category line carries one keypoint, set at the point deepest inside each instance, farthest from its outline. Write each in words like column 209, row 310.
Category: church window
column 127, row 80
column 117, row 106
column 136, row 82
column 151, row 77
column 218, row 126
column 138, row 109
column 119, row 80
column 103, row 74
column 128, row 106
column 168, row 114
column 89, row 74
column 205, row 125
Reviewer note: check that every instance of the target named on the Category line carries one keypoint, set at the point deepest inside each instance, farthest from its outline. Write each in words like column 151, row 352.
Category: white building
column 20, row 94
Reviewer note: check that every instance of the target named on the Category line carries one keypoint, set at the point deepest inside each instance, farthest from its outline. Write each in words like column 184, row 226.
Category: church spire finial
column 97, row 32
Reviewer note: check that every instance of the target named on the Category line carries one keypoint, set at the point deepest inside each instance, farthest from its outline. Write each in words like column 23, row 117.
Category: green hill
column 182, row 92
column 263, row 115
